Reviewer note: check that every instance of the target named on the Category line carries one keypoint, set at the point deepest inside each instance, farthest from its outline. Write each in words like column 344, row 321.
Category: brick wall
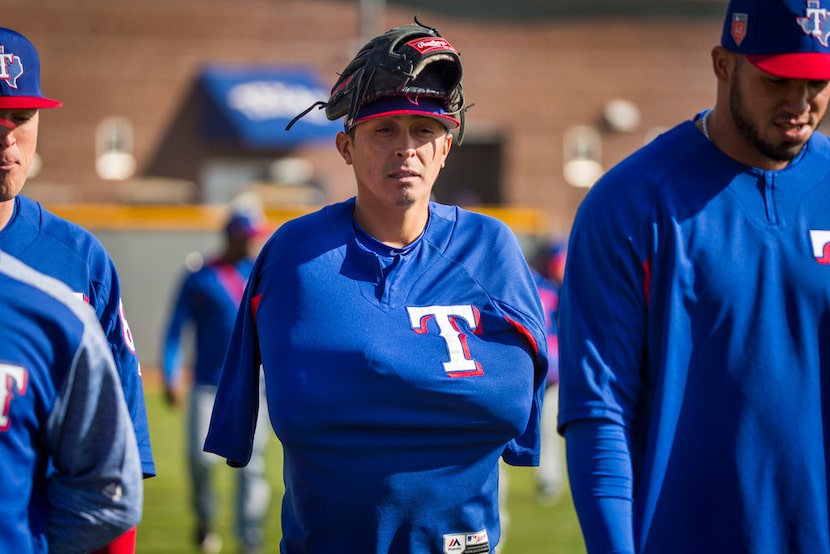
column 530, row 81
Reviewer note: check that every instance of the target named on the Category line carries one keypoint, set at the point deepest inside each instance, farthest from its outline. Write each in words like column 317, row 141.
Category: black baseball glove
column 410, row 60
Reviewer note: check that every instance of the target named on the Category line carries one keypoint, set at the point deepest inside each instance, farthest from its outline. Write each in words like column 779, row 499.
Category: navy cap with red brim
column 20, row 74
column 785, row 38
column 406, row 105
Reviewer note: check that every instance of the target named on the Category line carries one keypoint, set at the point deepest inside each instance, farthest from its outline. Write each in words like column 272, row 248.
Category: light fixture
column 114, row 160
column 621, row 115
column 582, row 156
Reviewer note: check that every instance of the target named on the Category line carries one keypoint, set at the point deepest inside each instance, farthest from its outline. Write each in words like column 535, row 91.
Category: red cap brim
column 27, row 103
column 806, row 65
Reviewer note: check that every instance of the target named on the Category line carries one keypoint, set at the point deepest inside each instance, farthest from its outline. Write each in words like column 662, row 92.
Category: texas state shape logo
column 821, row 246
column 814, row 22
column 11, row 68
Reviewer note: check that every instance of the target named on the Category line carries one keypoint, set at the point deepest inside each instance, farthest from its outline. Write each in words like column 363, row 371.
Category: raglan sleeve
column 524, row 311
column 107, row 301
column 235, row 410
column 96, row 490
column 602, row 348
column 524, row 450
column 603, row 308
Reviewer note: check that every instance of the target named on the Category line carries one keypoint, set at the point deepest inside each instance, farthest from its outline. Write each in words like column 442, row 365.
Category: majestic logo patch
column 467, row 543
column 11, row 68
column 740, row 21
column 821, row 246
column 814, row 21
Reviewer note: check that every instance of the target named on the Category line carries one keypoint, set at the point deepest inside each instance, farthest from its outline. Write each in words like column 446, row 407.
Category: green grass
column 167, row 524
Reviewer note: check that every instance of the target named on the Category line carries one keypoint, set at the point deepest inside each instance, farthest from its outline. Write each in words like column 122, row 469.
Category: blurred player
column 53, row 245
column 208, row 299
column 695, row 315
column 402, row 341
column 69, row 463
column 549, row 270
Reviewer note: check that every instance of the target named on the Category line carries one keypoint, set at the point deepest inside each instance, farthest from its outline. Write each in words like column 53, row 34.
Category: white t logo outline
column 461, row 363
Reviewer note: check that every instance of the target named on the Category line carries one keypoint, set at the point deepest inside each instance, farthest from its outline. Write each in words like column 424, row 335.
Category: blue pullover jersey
column 394, row 380
column 695, row 315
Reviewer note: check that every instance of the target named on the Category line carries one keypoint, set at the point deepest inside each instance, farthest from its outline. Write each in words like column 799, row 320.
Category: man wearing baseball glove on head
column 403, row 341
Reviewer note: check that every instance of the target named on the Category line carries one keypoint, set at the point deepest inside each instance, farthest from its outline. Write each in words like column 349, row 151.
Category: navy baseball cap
column 246, row 225
column 390, row 106
column 20, row 74
column 785, row 38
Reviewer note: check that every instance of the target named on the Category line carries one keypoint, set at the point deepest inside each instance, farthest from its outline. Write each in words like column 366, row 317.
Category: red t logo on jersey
column 11, row 377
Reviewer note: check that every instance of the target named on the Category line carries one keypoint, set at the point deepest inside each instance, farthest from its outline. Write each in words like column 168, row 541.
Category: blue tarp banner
column 253, row 104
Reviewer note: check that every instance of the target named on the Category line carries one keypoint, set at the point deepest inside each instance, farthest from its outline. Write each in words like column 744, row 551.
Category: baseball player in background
column 69, row 462
column 402, row 341
column 208, row 300
column 53, row 245
column 695, row 315
column 548, row 267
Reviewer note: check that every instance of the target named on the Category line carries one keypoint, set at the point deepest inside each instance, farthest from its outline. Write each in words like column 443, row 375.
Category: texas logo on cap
column 10, row 67
column 814, row 18
column 20, row 74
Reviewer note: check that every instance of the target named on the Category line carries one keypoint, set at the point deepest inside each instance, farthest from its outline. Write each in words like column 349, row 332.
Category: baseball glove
column 410, row 60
